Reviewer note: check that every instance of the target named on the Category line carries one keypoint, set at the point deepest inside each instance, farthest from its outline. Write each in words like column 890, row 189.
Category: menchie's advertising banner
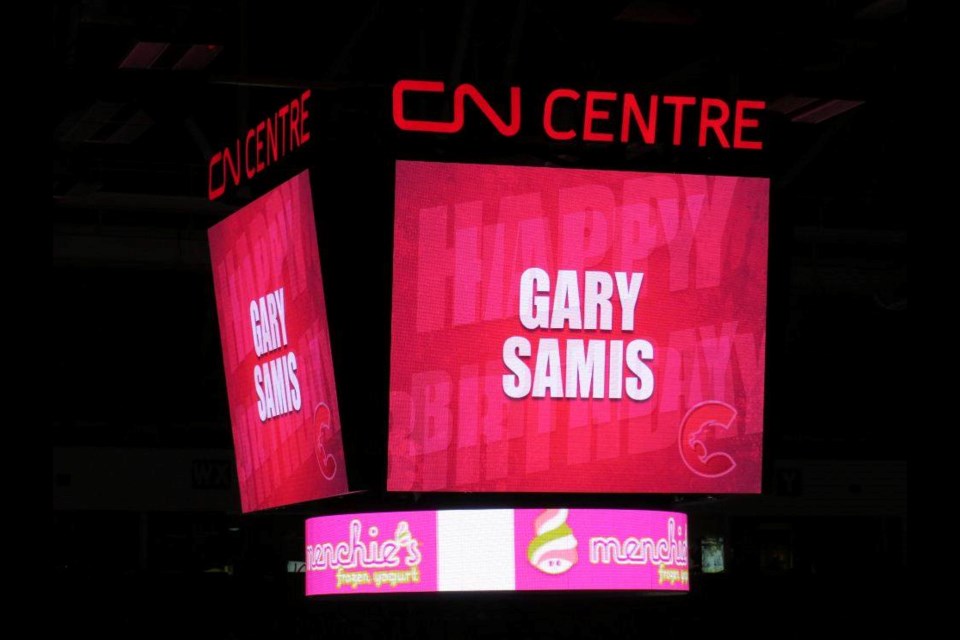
column 276, row 350
column 497, row 550
column 577, row 330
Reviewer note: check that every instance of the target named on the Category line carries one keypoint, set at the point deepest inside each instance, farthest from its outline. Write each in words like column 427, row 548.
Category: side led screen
column 712, row 555
column 577, row 330
column 497, row 550
column 276, row 350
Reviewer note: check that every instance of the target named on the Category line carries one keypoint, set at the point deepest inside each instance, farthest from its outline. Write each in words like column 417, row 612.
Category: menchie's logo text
column 353, row 557
column 669, row 554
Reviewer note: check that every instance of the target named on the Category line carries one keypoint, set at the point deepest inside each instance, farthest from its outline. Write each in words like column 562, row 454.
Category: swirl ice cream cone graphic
column 554, row 549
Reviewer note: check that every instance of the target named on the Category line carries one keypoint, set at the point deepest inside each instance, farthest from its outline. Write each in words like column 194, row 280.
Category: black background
column 136, row 347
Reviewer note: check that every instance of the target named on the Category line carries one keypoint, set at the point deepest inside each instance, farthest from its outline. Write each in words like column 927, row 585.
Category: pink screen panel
column 276, row 350
column 577, row 330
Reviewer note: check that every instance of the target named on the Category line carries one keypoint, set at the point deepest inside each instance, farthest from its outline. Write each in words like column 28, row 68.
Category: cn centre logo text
column 590, row 116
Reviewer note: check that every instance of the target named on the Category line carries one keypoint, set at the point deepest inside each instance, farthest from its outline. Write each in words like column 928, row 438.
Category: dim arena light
column 497, row 550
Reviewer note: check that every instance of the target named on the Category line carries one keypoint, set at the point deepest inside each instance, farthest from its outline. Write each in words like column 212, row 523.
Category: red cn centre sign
column 608, row 116
column 263, row 144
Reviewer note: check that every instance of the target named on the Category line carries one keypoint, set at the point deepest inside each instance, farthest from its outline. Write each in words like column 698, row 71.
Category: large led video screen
column 497, row 550
column 276, row 350
column 571, row 330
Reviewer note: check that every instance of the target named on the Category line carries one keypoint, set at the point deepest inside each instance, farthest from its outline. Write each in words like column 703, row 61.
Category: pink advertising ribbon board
column 497, row 550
